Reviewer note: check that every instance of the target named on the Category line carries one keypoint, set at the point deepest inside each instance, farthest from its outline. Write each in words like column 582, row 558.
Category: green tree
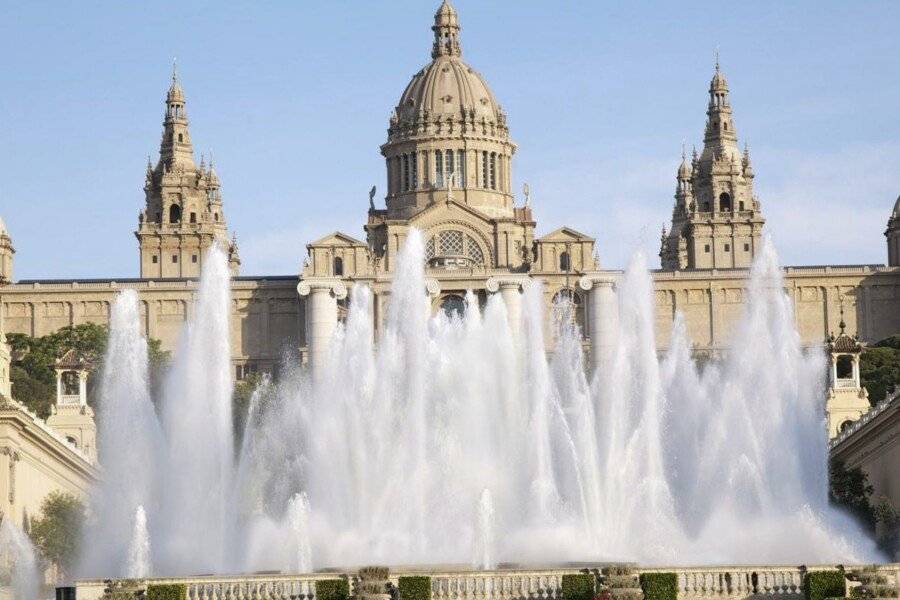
column 57, row 532
column 850, row 489
column 33, row 376
column 879, row 368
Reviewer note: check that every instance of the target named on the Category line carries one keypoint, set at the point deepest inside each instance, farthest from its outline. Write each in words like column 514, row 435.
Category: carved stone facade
column 717, row 221
column 183, row 215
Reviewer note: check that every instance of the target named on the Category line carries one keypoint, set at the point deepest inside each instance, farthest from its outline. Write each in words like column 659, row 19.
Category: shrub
column 168, row 591
column 577, row 587
column 414, row 588
column 332, row 589
column 659, row 586
column 819, row 585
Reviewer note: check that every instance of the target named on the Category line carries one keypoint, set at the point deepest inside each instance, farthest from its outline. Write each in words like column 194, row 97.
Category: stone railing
column 499, row 585
column 694, row 583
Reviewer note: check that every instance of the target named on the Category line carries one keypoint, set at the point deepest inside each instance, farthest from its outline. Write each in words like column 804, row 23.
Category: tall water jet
column 130, row 442
column 198, row 424
column 298, row 519
column 139, row 565
column 19, row 561
column 484, row 533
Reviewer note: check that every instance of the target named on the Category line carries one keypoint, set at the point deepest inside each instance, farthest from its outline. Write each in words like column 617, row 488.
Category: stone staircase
column 621, row 583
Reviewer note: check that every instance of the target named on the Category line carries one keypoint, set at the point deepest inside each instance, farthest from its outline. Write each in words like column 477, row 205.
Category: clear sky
column 293, row 98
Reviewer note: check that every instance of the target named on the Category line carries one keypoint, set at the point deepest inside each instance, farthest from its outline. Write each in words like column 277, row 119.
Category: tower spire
column 446, row 31
column 175, row 148
column 720, row 137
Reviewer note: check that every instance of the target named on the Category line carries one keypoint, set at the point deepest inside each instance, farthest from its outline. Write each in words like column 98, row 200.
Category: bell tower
column 716, row 221
column 847, row 399
column 893, row 236
column 6, row 255
column 183, row 215
column 70, row 415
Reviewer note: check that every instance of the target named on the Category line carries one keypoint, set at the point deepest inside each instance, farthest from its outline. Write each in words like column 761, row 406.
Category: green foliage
column 32, row 373
column 169, row 591
column 659, row 586
column 414, row 588
column 879, row 368
column 57, row 532
column 332, row 589
column 578, row 586
column 850, row 489
column 819, row 585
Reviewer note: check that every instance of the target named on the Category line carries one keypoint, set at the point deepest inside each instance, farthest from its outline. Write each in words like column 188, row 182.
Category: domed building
column 449, row 159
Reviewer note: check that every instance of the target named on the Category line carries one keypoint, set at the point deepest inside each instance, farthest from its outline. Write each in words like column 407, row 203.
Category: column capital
column 498, row 282
column 432, row 286
column 333, row 286
column 587, row 282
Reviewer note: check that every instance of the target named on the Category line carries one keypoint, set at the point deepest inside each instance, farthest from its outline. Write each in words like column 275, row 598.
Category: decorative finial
column 174, row 69
column 526, row 189
column 451, row 180
column 842, row 324
column 694, row 153
column 210, row 160
column 372, row 198
column 683, row 154
column 717, row 58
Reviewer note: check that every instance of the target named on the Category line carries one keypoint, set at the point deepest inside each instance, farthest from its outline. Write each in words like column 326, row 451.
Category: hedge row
column 169, row 591
column 578, row 587
column 332, row 589
column 819, row 585
column 659, row 586
column 414, row 588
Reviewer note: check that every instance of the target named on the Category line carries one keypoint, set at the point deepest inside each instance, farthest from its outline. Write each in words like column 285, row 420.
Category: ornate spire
column 720, row 137
column 446, row 31
column 176, row 148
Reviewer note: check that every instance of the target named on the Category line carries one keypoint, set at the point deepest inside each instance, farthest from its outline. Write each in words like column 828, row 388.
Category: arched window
column 564, row 263
column 844, row 367
column 180, row 137
column 439, row 168
column 568, row 303
column 845, row 426
column 217, row 217
column 72, row 440
column 338, row 266
column 174, row 214
column 71, row 383
column 451, row 249
column 724, row 202
column 193, row 217
column 454, row 305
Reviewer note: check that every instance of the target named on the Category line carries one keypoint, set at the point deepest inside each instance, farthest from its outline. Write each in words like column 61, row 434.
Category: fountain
column 19, row 562
column 454, row 419
column 484, row 533
column 139, row 565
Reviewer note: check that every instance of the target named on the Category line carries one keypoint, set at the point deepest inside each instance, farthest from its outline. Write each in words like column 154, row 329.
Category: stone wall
column 267, row 314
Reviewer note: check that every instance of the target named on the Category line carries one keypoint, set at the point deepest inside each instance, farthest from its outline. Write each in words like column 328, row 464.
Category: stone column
column 321, row 315
column 510, row 289
column 603, row 315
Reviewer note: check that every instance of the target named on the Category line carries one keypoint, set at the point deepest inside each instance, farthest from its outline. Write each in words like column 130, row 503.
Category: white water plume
column 385, row 456
column 18, row 562
column 139, row 565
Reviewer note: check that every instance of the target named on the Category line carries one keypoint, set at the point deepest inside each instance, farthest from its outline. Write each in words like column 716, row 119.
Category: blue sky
column 293, row 99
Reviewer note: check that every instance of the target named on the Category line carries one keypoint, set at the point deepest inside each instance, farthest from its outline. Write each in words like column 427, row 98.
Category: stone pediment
column 565, row 234
column 336, row 239
column 449, row 210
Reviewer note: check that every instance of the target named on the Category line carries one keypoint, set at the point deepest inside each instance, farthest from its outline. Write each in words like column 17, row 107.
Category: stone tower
column 716, row 221
column 183, row 215
column 847, row 399
column 70, row 416
column 893, row 236
column 6, row 255
column 448, row 124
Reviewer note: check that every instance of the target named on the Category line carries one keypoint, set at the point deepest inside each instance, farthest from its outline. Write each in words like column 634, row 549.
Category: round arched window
column 452, row 249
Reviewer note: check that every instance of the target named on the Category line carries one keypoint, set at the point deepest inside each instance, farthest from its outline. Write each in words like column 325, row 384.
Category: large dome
column 448, row 87
column 447, row 91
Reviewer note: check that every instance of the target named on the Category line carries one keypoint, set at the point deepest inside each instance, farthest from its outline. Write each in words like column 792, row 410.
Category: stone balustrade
column 694, row 583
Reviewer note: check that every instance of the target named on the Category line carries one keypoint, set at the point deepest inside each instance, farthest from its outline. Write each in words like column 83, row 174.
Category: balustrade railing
column 725, row 583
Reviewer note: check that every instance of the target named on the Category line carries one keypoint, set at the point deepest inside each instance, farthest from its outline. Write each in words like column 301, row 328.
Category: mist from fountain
column 18, row 561
column 484, row 533
column 386, row 453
